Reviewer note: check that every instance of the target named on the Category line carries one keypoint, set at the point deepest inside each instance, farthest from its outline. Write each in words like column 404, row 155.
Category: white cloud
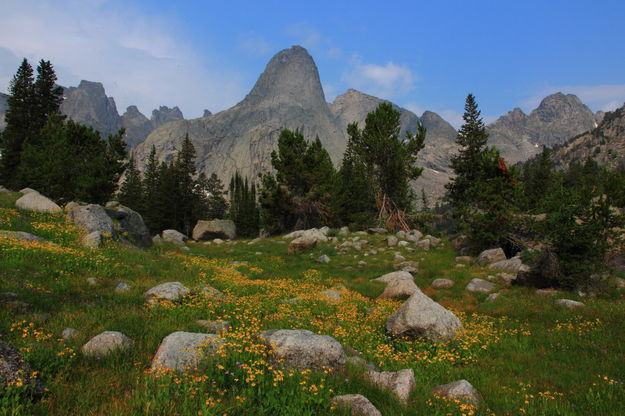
column 384, row 81
column 597, row 97
column 139, row 58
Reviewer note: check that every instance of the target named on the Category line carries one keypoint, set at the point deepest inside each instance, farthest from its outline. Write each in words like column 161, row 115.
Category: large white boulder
column 106, row 343
column 183, row 351
column 398, row 284
column 171, row 291
column 34, row 201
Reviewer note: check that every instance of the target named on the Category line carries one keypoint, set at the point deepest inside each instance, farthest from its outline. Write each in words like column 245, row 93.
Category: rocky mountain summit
column 605, row 143
column 558, row 118
column 138, row 127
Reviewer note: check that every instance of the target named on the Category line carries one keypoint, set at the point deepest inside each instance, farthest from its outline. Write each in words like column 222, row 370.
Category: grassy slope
column 522, row 352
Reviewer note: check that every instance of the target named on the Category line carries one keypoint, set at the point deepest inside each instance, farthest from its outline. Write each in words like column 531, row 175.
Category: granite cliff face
column 88, row 104
column 287, row 95
column 605, row 143
column 3, row 109
column 165, row 115
column 558, row 118
column 137, row 126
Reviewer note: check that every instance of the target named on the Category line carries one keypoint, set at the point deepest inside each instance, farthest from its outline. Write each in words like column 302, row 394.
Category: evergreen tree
column 185, row 191
column 213, row 204
column 47, row 95
column 482, row 190
column 131, row 192
column 390, row 161
column 354, row 199
column 19, row 123
column 243, row 206
column 151, row 200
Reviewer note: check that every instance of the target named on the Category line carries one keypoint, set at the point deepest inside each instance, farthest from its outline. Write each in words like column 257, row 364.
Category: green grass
column 524, row 354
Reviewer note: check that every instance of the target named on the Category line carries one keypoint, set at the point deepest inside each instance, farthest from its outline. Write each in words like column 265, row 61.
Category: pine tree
column 354, row 200
column 213, row 204
column 390, row 161
column 187, row 195
column 131, row 192
column 19, row 123
column 243, row 206
column 47, row 95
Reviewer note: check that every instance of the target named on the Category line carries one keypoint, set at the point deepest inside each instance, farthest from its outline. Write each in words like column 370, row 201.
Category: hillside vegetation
column 524, row 353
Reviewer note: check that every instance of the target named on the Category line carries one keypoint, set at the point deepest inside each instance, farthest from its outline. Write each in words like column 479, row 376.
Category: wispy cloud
column 386, row 81
column 255, row 44
column 305, row 35
column 597, row 97
column 139, row 58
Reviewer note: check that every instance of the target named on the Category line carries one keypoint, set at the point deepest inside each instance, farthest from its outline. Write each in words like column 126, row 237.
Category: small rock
column 400, row 383
column 21, row 236
column 399, row 257
column 442, row 283
column 403, row 243
column 106, row 343
column 424, row 244
column 569, row 303
column 323, row 259
column 513, row 264
column 491, row 256
column 460, row 266
column 546, row 292
column 122, row 287
column 92, row 281
column 174, row 237
column 480, row 286
column 218, row 241
column 301, row 244
column 459, row 390
column 492, row 297
column 358, row 404
column 377, row 230
column 507, row 277
column 391, row 241
column 171, row 291
column 400, row 234
column 93, row 240
column 69, row 333
column 344, row 231
column 362, row 263
column 331, row 294
column 157, row 239
column 464, row 258
column 398, row 284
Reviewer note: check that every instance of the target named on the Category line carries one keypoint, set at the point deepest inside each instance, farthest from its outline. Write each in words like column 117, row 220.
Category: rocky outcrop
column 165, row 115
column 421, row 317
column 137, row 126
column 183, row 351
column 302, row 349
column 88, row 104
column 558, row 118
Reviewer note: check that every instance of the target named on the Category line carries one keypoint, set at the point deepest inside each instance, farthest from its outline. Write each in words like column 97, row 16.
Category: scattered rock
column 90, row 218
column 491, row 256
column 492, row 297
column 546, row 292
column 93, row 240
column 209, row 230
column 344, row 231
column 157, row 239
column 216, row 327
column 323, row 259
column 362, row 263
column 122, row 287
column 460, row 266
column 391, row 241
column 398, row 284
column 4, row 190
column 404, row 243
column 92, row 281
column 400, row 383
column 481, row 286
column 414, row 235
column 421, row 317
column 13, row 367
column 442, row 283
column 331, row 294
column 34, row 201
column 313, row 233
column 513, row 264
column 175, row 237
column 434, row 241
column 171, row 291
column 424, row 244
column 411, row 267
column 218, row 241
column 464, row 258
column 211, row 292
column 69, row 333
column 571, row 304
column 302, row 349
column 507, row 277
column 358, row 404
column 301, row 244
column 182, row 351
column 106, row 343
column 459, row 390
column 132, row 225
column 21, row 236
column 398, row 257
column 400, row 234
column 377, row 230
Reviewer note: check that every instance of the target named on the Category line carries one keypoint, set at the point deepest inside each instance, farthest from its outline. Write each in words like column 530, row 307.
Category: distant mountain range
column 288, row 94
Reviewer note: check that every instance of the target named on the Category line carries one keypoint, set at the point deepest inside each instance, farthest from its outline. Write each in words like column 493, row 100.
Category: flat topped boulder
column 401, row 383
column 480, row 286
column 171, row 291
column 209, row 230
column 459, row 390
column 183, row 351
column 21, row 236
column 302, row 349
column 358, row 405
column 175, row 237
column 34, row 201
column 442, row 283
column 421, row 317
column 569, row 303
column 397, row 284
column 514, row 264
column 91, row 218
column 302, row 243
column 106, row 343
column 490, row 256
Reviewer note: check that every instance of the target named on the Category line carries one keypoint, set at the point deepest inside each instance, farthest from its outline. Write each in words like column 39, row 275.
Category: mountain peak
column 557, row 106
column 290, row 76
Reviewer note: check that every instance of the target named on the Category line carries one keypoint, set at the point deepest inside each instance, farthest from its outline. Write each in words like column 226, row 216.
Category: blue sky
column 420, row 55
